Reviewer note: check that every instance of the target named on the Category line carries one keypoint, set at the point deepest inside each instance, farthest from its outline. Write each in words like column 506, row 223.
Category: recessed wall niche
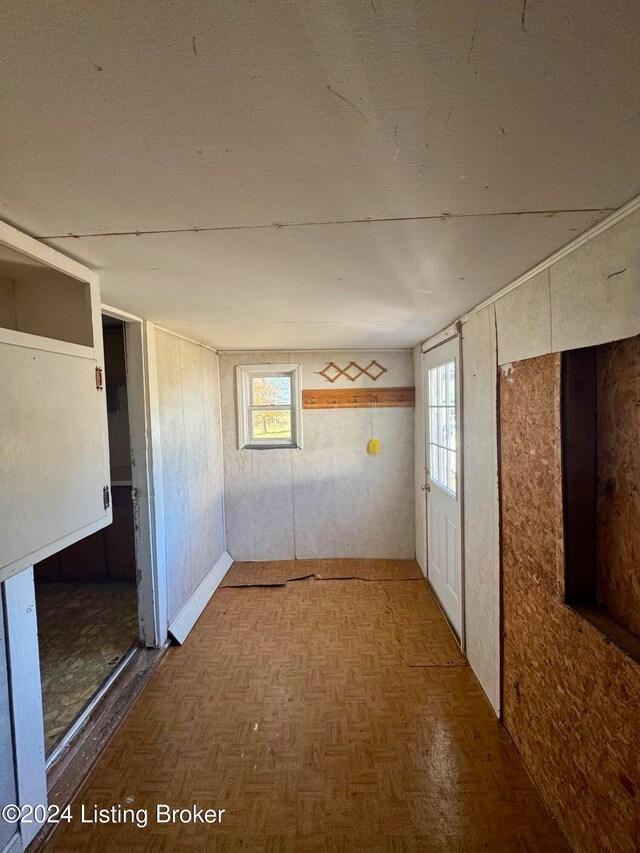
column 601, row 468
column 38, row 300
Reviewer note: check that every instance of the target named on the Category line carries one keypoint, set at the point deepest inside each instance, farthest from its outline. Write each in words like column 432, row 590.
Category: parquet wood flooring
column 322, row 715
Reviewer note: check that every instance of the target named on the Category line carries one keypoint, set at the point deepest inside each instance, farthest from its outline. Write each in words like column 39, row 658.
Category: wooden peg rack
column 358, row 398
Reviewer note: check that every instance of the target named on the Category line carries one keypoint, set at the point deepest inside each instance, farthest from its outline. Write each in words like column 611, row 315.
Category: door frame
column 460, row 472
column 146, row 471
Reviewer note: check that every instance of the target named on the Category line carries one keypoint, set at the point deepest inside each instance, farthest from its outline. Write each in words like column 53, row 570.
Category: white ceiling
column 279, row 129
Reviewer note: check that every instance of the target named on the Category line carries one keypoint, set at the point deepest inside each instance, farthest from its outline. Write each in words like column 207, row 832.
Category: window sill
column 271, row 447
column 612, row 631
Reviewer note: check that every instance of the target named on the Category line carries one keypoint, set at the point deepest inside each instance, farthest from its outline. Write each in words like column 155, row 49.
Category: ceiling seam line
column 279, row 225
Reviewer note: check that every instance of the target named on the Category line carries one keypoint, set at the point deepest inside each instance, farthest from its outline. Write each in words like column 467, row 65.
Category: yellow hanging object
column 373, row 447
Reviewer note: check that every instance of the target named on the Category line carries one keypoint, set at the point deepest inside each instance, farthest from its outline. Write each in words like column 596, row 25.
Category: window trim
column 244, row 375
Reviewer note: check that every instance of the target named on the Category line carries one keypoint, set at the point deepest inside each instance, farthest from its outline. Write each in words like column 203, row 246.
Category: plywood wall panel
column 571, row 699
column 595, row 291
column 330, row 499
column 618, row 489
column 482, row 561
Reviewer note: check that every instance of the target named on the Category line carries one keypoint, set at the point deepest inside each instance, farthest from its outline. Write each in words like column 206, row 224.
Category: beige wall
column 190, row 434
column 330, row 499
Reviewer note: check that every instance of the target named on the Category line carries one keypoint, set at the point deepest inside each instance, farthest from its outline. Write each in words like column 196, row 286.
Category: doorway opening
column 86, row 595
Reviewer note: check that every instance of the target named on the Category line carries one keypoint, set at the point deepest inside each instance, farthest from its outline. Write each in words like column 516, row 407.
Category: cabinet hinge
column 99, row 379
column 106, row 497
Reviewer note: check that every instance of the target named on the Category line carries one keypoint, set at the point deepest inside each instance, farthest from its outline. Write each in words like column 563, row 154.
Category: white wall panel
column 481, row 546
column 330, row 499
column 595, row 291
column 523, row 319
column 190, row 436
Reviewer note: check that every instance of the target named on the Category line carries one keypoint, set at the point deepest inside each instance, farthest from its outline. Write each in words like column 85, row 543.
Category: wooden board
column 358, row 398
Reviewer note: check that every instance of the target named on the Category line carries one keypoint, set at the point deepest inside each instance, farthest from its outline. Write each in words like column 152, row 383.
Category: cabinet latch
column 99, row 379
column 106, row 497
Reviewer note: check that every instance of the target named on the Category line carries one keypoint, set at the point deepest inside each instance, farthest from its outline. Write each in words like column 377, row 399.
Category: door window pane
column 442, row 426
column 434, row 468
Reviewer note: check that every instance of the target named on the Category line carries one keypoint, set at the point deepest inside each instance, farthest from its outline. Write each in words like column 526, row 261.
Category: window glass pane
column 433, row 424
column 434, row 470
column 451, row 428
column 441, row 437
column 451, row 470
column 442, row 463
column 271, row 424
column 451, row 383
column 271, row 390
column 433, row 386
column 442, row 385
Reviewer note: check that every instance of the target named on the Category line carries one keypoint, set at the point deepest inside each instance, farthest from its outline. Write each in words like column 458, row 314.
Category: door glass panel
column 443, row 426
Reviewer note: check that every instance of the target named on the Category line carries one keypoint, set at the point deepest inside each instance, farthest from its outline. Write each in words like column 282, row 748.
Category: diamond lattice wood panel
column 353, row 371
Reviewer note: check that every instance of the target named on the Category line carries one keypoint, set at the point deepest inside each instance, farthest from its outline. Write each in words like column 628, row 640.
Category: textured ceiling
column 321, row 173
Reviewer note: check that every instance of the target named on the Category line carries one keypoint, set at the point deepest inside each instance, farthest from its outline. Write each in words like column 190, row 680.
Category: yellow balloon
column 373, row 447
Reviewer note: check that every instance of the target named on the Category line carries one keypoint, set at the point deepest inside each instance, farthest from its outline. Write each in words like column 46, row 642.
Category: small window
column 442, row 426
column 269, row 406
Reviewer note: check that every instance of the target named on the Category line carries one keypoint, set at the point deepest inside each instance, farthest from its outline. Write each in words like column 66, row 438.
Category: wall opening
column 601, row 466
column 38, row 300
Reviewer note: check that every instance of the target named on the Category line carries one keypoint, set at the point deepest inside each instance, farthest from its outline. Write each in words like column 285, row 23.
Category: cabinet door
column 54, row 462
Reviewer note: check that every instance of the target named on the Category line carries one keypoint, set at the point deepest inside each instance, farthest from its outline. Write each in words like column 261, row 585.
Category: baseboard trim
column 190, row 613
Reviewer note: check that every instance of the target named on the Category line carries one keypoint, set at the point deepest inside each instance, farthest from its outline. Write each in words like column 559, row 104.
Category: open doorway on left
column 86, row 595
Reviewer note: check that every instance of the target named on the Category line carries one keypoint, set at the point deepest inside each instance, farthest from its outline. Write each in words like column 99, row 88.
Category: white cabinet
column 54, row 463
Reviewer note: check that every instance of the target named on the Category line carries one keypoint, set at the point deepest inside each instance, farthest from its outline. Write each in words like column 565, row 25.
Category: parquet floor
column 322, row 715
column 84, row 630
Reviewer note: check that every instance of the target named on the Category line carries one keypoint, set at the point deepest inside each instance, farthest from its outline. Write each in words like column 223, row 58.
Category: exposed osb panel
column 302, row 712
column 618, row 470
column 571, row 698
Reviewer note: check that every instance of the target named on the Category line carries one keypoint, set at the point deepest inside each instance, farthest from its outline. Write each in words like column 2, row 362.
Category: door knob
column 426, row 487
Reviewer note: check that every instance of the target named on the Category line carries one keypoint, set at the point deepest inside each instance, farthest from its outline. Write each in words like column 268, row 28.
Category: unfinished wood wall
column 190, row 427
column 618, row 490
column 571, row 699
column 330, row 499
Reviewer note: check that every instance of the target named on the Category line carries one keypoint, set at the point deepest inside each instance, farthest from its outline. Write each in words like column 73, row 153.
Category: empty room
column 320, row 382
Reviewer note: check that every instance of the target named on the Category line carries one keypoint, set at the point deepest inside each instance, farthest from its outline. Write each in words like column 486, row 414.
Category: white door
column 443, row 478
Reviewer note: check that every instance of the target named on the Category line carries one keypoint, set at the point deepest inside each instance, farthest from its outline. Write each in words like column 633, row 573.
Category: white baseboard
column 15, row 845
column 188, row 616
